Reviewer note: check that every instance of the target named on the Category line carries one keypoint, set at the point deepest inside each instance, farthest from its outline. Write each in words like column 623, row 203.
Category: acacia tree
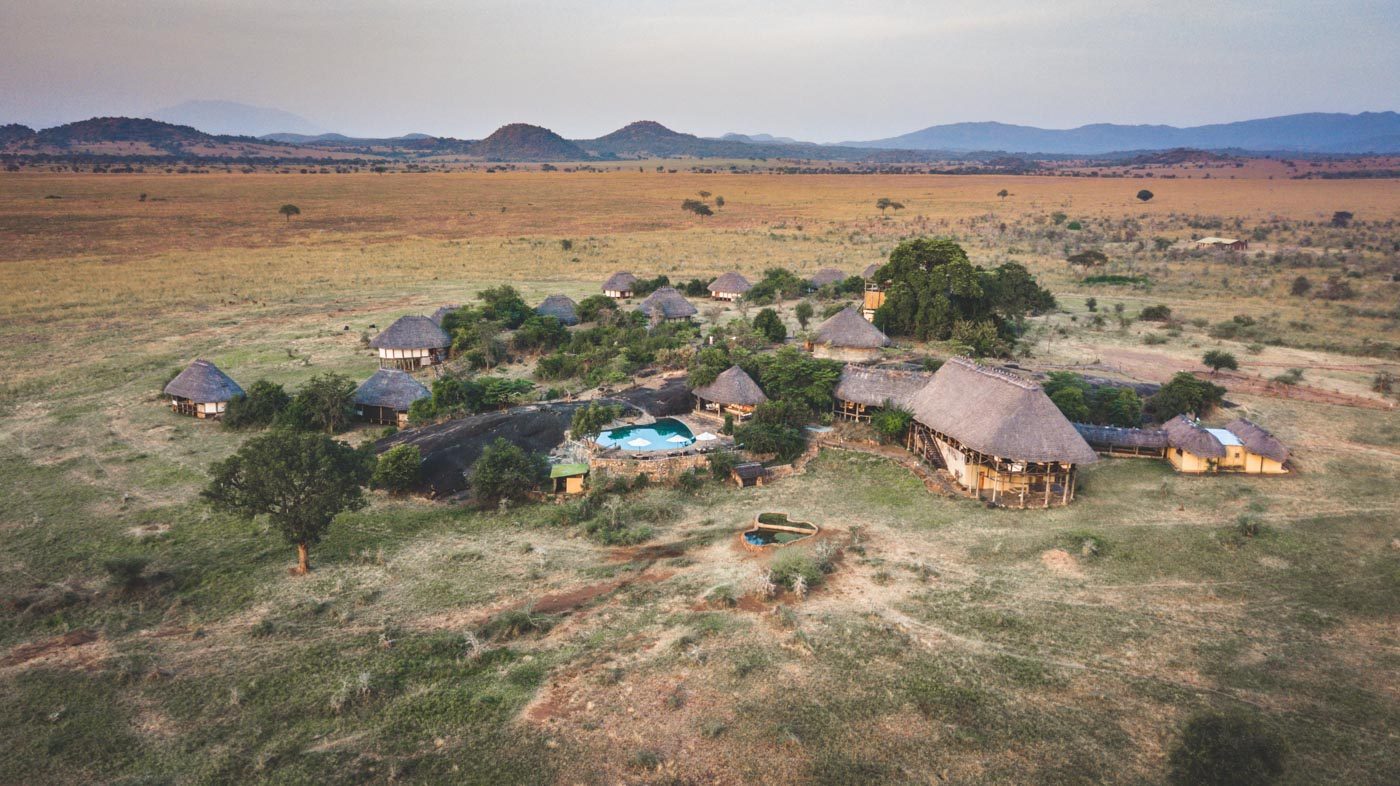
column 697, row 207
column 289, row 211
column 300, row 481
column 885, row 203
column 1217, row 359
column 1003, row 193
column 1145, row 195
column 803, row 312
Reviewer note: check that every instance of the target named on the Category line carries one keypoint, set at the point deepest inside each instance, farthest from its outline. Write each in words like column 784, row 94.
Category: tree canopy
column 300, row 481
column 1185, row 393
column 506, row 472
column 770, row 325
column 1082, row 402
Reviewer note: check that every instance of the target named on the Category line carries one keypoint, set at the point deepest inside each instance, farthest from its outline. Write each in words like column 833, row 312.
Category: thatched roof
column 1115, row 436
column 412, row 332
column 732, row 387
column 392, row 388
column 203, row 383
column 442, row 312
column 730, row 283
column 1190, row 437
column 621, row 281
column 847, row 328
column 1258, row 441
column 667, row 303
column 875, row 386
column 561, row 307
column 827, row 275
column 869, row 271
column 998, row 413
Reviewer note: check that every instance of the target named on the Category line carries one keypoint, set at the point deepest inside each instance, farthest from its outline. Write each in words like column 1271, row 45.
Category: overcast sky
column 812, row 69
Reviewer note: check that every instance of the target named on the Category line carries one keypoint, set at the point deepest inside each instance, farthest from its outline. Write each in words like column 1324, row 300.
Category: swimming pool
column 664, row 434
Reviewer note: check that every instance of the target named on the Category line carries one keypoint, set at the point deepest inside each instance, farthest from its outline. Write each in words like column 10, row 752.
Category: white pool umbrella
column 638, row 442
column 706, row 437
column 677, row 438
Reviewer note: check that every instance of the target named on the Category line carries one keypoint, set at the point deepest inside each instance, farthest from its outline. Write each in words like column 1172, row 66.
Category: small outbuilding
column 750, row 473
column 1223, row 243
column 730, row 286
column 620, row 285
column 827, row 275
column 561, row 307
column 386, row 396
column 1241, row 446
column 667, row 305
column 411, row 343
column 568, row 478
column 732, row 393
column 847, row 336
column 201, row 390
column 861, row 391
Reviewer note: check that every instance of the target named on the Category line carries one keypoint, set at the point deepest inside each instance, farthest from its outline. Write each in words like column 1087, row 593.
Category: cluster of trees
column 617, row 346
column 937, row 293
column 458, row 395
column 589, row 420
column 1184, row 394
column 1082, row 402
column 478, row 331
column 323, row 403
column 787, row 375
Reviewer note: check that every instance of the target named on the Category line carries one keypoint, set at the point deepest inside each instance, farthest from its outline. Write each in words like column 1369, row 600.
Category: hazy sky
column 813, row 69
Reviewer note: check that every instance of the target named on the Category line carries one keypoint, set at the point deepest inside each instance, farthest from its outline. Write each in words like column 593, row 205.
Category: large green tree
column 506, row 471
column 299, row 481
column 326, row 402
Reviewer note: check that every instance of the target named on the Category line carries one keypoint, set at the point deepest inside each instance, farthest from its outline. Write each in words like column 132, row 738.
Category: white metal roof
column 1226, row 437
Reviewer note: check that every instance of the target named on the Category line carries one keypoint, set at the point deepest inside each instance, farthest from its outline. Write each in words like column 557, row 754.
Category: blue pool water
column 664, row 434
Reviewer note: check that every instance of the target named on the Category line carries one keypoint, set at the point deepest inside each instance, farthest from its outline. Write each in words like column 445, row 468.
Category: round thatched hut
column 412, row 343
column 999, row 435
column 847, row 336
column 620, row 285
column 730, row 286
column 667, row 305
column 443, row 311
column 827, row 275
column 561, row 307
column 201, row 390
column 732, row 393
column 385, row 397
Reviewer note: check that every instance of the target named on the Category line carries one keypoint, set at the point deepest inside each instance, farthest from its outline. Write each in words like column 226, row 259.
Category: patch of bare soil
column 1060, row 562
column 77, row 649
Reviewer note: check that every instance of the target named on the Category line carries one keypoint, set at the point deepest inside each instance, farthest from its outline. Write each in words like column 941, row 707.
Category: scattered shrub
column 126, row 573
column 398, row 470
column 792, row 566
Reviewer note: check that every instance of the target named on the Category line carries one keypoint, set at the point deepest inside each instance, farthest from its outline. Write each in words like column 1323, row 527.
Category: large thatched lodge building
column 201, row 390
column 411, row 343
column 999, row 436
column 847, row 336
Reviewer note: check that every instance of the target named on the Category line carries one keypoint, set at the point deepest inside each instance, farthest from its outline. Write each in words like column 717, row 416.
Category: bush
column 257, row 408
column 591, row 308
column 721, row 464
column 890, row 422
column 506, row 471
column 770, row 325
column 1216, row 360
column 1090, row 258
column 589, row 420
column 1290, row 377
column 1157, row 313
column 1227, row 749
column 1184, row 393
column 791, row 564
column 1300, row 286
column 1144, row 195
column 514, row 624
column 398, row 470
column 325, row 403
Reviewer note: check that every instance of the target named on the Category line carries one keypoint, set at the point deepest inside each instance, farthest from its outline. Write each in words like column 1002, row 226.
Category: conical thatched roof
column 203, row 383
column 1190, row 437
column 392, row 388
column 621, row 281
column 998, row 413
column 667, row 303
column 869, row 271
column 730, row 283
column 847, row 328
column 1258, row 441
column 412, row 332
column 561, row 307
column 827, row 275
column 733, row 387
column 442, row 312
column 875, row 386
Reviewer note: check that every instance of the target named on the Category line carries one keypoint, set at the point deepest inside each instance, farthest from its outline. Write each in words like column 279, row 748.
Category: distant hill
column 13, row 133
column 763, row 139
column 231, row 117
column 524, row 142
column 1368, row 132
column 341, row 139
column 144, row 138
column 648, row 138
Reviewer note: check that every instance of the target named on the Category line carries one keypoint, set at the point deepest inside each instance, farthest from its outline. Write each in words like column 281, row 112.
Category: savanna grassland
column 951, row 643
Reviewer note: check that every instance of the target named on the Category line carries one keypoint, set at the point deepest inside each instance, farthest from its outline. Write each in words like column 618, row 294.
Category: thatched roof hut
column 1258, row 441
column 442, row 312
column 730, row 286
column 201, row 390
column 391, row 389
column 561, row 307
column 848, row 336
column 876, row 387
column 869, row 271
column 620, row 284
column 732, row 386
column 827, row 275
column 1183, row 434
column 667, row 304
column 411, row 343
column 997, row 413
